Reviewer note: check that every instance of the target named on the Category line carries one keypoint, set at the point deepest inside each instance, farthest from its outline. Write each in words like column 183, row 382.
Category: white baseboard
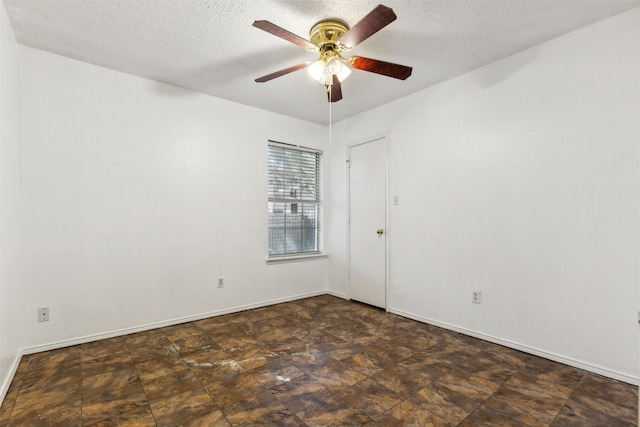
column 164, row 323
column 12, row 372
column 336, row 294
column 630, row 379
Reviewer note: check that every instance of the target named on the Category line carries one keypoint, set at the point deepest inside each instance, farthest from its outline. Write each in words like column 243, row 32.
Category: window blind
column 294, row 199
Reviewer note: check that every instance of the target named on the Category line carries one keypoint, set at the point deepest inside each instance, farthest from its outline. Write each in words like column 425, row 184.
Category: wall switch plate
column 43, row 314
column 220, row 282
column 396, row 200
column 475, row 296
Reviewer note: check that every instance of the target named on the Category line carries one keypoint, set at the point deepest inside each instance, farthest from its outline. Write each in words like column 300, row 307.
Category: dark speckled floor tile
column 585, row 410
column 257, row 409
column 181, row 331
column 336, row 376
column 426, row 365
column 225, row 391
column 112, row 380
column 53, row 379
column 610, row 390
column 5, row 411
column 472, row 386
column 345, row 350
column 147, row 340
column 514, row 359
column 177, row 397
column 309, row 359
column 320, row 361
column 48, row 407
column 107, row 363
column 137, row 417
column 194, row 344
column 215, row 418
column 276, row 372
column 112, row 403
column 107, row 347
column 300, row 394
column 522, row 408
column 445, row 403
column 392, row 351
column 62, row 414
column 487, row 366
column 254, row 357
column 537, row 388
column 211, row 365
column 14, row 388
column 287, row 346
column 53, row 370
column 176, row 409
column 54, row 359
column 366, row 363
column 408, row 414
column 213, row 323
column 371, row 397
column 235, row 342
column 172, row 384
column 489, row 418
column 402, row 380
column 334, row 411
column 154, row 367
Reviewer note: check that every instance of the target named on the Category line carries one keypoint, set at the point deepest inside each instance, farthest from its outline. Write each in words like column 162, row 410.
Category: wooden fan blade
column 373, row 22
column 334, row 92
column 281, row 72
column 283, row 34
column 389, row 69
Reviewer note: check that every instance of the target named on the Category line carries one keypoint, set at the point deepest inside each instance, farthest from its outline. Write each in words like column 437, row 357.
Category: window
column 294, row 199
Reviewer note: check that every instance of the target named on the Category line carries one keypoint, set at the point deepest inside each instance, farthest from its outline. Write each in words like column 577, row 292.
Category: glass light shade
column 323, row 72
column 344, row 73
column 334, row 65
column 317, row 69
column 326, row 78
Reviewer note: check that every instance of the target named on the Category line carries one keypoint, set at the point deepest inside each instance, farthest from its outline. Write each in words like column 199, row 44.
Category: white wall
column 520, row 179
column 9, row 202
column 136, row 196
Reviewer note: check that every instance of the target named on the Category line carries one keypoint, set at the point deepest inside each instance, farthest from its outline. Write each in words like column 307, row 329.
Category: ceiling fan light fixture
column 334, row 65
column 326, row 78
column 326, row 67
column 330, row 38
column 343, row 73
column 317, row 69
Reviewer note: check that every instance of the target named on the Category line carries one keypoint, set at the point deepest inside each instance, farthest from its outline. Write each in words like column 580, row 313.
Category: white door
column 367, row 222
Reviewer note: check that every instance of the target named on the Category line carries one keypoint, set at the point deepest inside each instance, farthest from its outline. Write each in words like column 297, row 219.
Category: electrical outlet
column 43, row 314
column 221, row 282
column 475, row 296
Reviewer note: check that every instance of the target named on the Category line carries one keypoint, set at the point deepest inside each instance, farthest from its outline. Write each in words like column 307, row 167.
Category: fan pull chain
column 330, row 119
column 330, row 151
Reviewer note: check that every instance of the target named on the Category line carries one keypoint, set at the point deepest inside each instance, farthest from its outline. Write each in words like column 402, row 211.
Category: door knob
column 380, row 231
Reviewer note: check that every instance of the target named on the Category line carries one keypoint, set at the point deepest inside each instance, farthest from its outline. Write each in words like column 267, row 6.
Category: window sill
column 296, row 258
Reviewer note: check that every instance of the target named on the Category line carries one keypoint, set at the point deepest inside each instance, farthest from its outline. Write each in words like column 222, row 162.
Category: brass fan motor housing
column 327, row 32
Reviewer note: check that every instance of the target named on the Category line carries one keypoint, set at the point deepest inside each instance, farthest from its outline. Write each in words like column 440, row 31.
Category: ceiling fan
column 330, row 38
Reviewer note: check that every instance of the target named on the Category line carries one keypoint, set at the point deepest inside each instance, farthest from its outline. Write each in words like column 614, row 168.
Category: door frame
column 381, row 136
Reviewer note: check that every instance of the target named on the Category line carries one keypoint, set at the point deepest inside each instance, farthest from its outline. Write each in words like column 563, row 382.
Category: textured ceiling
column 210, row 46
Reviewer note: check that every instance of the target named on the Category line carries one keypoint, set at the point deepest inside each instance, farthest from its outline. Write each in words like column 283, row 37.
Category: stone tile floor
column 320, row 361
